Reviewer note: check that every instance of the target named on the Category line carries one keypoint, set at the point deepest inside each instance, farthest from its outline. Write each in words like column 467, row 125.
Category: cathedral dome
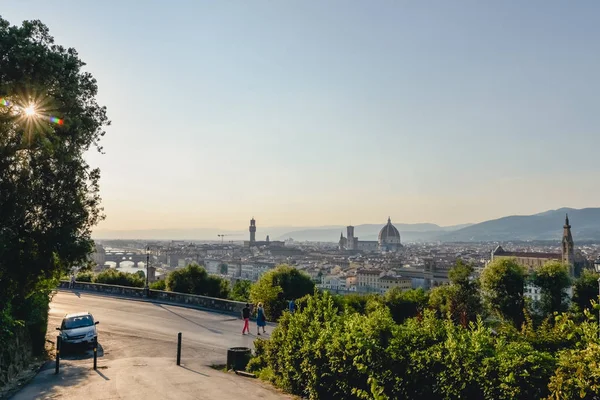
column 389, row 233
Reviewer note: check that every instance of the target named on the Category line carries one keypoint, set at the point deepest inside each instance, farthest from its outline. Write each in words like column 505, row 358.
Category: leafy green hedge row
column 322, row 353
column 113, row 277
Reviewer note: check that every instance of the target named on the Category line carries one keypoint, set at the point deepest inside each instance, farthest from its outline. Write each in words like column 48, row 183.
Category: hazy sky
column 330, row 112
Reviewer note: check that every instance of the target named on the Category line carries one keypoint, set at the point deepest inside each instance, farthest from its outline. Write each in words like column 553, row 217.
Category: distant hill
column 548, row 225
column 543, row 226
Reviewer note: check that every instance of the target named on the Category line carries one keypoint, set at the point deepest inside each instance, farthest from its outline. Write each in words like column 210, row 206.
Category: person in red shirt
column 246, row 318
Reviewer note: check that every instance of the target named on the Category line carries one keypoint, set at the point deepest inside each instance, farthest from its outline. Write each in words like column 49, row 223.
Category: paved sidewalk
column 143, row 378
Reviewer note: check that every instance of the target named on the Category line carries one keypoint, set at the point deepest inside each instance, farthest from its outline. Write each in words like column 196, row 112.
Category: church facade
column 531, row 260
column 387, row 241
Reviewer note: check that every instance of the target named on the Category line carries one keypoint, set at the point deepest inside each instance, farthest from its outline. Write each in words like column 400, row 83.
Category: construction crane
column 223, row 235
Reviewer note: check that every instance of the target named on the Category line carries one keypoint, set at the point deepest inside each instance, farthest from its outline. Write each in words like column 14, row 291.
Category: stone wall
column 211, row 303
column 15, row 355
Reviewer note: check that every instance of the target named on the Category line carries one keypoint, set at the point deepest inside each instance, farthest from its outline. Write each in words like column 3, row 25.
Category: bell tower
column 568, row 247
column 252, row 230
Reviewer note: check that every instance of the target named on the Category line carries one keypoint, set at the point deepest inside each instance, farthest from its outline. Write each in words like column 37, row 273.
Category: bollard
column 58, row 346
column 95, row 352
column 179, row 348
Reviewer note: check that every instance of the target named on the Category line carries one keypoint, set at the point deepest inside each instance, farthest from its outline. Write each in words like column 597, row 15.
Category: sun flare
column 30, row 110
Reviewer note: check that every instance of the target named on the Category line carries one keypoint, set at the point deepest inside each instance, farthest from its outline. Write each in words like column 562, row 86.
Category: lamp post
column 597, row 268
column 147, row 263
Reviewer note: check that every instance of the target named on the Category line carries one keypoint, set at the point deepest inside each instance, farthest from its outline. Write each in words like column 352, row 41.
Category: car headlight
column 90, row 334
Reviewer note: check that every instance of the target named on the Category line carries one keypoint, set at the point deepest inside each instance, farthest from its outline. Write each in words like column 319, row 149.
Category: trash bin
column 238, row 358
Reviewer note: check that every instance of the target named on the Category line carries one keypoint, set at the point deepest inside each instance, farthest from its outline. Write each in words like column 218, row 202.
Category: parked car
column 79, row 328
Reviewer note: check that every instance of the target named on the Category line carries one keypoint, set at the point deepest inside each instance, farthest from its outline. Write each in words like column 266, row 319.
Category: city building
column 531, row 260
column 388, row 282
column 255, row 243
column 388, row 240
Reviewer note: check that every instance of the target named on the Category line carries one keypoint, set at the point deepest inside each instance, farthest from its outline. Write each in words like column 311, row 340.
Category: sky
column 309, row 113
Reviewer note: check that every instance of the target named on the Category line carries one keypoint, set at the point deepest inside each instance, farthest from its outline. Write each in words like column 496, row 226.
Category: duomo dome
column 389, row 237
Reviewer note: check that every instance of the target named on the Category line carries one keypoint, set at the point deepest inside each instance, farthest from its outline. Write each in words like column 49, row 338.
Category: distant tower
column 267, row 240
column 350, row 238
column 568, row 247
column 342, row 242
column 252, row 231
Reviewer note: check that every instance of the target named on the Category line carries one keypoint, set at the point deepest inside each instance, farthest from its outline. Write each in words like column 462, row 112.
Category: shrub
column 278, row 286
column 86, row 276
column 113, row 277
column 241, row 290
column 160, row 284
column 319, row 353
column 194, row 279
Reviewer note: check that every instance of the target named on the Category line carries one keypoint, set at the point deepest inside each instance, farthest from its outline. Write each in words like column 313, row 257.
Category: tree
column 553, row 279
column 460, row 300
column 241, row 290
column 502, row 284
column 585, row 289
column 50, row 195
column 278, row 286
column 194, row 279
column 223, row 269
column 405, row 304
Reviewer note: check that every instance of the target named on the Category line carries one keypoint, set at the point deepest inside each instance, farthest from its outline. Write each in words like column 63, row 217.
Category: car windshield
column 78, row 322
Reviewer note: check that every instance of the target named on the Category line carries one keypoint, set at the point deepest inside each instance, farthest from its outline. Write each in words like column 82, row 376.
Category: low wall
column 15, row 355
column 211, row 303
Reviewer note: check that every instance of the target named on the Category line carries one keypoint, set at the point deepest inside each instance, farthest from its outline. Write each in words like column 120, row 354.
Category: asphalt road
column 137, row 347
column 130, row 328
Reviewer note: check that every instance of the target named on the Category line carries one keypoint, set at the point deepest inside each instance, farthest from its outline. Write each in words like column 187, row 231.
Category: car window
column 78, row 322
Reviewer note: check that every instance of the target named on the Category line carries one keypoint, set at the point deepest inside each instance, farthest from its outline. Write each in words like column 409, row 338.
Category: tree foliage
column 405, row 304
column 278, row 286
column 553, row 279
column 502, row 283
column 461, row 299
column 585, row 289
column 318, row 353
column 160, row 284
column 241, row 290
column 49, row 195
column 193, row 279
column 114, row 277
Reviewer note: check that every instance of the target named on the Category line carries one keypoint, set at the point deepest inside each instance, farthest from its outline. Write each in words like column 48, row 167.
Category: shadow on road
column 189, row 320
column 79, row 352
column 102, row 375
column 47, row 385
column 196, row 372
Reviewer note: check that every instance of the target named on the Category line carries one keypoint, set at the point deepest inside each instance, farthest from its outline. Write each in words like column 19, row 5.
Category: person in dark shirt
column 246, row 318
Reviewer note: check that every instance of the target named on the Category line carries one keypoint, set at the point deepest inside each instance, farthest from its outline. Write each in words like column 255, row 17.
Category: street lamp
column 148, row 262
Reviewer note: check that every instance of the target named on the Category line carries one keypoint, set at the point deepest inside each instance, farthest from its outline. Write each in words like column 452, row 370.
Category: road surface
column 137, row 344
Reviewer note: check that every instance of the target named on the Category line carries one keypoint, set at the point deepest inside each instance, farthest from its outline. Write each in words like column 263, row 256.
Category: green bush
column 241, row 290
column 86, row 276
column 113, row 277
column 276, row 287
column 320, row 353
column 160, row 284
column 194, row 279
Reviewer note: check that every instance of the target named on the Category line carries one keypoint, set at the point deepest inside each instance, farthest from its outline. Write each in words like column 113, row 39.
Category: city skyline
column 312, row 114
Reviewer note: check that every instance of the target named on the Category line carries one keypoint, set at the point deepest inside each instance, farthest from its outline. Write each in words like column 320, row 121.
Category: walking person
column 261, row 319
column 292, row 306
column 72, row 283
column 246, row 318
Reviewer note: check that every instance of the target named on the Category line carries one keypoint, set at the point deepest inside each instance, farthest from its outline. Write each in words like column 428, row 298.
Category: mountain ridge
column 546, row 225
